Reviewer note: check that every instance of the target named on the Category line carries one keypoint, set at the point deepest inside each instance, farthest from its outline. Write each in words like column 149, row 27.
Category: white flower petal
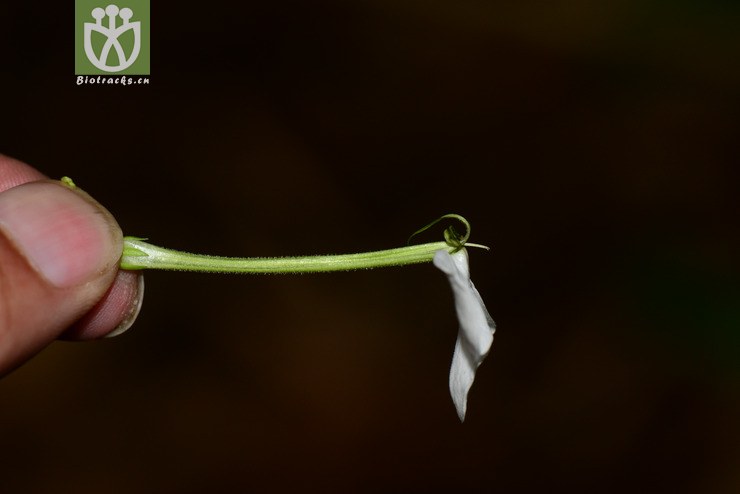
column 475, row 336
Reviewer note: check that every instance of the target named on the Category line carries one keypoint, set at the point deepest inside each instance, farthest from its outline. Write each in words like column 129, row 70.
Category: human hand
column 59, row 266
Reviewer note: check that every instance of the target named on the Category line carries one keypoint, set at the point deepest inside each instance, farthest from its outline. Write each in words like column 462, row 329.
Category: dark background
column 591, row 144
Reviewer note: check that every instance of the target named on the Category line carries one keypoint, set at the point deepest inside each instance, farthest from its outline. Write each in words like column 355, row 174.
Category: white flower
column 475, row 336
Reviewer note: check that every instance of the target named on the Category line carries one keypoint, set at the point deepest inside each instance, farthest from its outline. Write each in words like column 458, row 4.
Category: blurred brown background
column 591, row 144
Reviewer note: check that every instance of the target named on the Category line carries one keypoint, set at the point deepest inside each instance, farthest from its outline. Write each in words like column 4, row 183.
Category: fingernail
column 65, row 235
column 133, row 313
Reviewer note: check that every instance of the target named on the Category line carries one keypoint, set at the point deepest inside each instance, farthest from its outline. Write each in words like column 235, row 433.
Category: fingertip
column 115, row 313
column 14, row 172
column 134, row 309
column 59, row 253
column 64, row 234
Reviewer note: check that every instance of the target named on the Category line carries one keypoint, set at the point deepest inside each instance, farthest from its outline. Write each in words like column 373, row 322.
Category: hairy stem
column 138, row 254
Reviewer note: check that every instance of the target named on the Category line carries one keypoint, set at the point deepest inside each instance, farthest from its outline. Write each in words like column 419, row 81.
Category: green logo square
column 112, row 39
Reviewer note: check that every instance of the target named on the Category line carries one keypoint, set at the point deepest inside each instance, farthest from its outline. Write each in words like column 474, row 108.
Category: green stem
column 138, row 254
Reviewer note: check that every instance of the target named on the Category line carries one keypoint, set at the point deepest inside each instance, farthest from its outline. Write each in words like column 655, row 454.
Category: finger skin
column 33, row 312
column 116, row 311
column 14, row 172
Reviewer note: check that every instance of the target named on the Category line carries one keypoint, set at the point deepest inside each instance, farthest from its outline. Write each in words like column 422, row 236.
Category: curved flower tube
column 475, row 336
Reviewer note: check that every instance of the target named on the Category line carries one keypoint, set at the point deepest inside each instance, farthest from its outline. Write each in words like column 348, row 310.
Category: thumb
column 59, row 252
